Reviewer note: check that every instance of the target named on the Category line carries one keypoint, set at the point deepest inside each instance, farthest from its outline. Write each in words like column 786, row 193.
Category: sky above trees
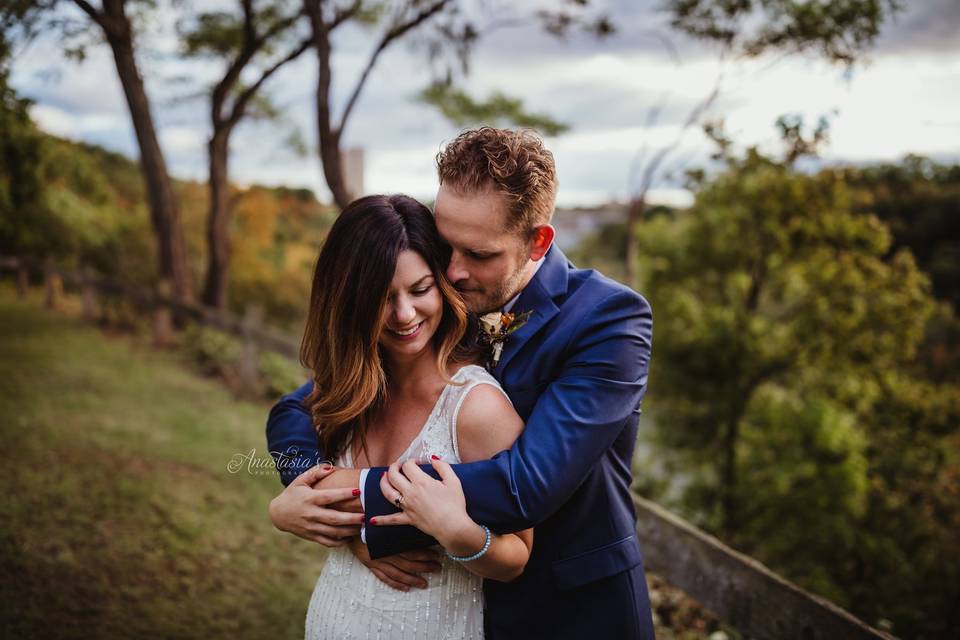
column 901, row 99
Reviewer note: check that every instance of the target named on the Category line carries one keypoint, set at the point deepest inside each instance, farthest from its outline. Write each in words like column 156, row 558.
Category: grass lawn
column 119, row 517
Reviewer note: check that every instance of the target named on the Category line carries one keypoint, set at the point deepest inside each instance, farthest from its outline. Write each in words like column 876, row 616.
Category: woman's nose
column 403, row 312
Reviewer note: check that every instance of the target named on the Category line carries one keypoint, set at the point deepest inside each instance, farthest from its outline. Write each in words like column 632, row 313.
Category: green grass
column 119, row 517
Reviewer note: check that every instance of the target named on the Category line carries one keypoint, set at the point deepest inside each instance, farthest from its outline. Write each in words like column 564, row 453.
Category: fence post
column 53, row 285
column 162, row 316
column 23, row 279
column 249, row 358
column 88, row 296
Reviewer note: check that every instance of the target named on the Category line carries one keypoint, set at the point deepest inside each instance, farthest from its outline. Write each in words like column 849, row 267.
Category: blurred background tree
column 784, row 387
column 244, row 40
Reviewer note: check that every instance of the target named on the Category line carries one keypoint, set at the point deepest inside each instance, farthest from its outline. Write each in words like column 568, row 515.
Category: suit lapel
column 538, row 297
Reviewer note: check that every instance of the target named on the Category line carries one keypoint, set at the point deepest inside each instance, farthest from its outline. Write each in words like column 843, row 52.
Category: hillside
column 120, row 516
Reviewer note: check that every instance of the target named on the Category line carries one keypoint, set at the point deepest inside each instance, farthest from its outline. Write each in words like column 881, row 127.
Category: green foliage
column 217, row 354
column 26, row 220
column 920, row 201
column 838, row 30
column 497, row 110
column 89, row 209
column 280, row 374
column 214, row 352
column 785, row 391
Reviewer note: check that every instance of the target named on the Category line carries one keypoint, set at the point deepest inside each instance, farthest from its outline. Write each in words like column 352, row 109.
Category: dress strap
column 472, row 376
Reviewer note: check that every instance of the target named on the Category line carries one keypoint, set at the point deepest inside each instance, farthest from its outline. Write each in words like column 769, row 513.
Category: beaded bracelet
column 478, row 554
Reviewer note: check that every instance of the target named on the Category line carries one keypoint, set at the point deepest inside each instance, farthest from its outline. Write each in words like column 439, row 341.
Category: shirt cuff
column 363, row 504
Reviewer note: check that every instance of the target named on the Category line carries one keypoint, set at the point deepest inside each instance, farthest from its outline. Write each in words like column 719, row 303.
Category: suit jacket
column 576, row 373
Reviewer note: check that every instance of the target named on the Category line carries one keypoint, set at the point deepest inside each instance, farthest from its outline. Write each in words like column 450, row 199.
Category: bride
column 395, row 383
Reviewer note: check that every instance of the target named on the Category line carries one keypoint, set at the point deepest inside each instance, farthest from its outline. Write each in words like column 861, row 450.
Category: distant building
column 352, row 160
column 574, row 224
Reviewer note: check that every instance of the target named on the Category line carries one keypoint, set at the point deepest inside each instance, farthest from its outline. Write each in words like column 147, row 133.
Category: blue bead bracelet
column 478, row 554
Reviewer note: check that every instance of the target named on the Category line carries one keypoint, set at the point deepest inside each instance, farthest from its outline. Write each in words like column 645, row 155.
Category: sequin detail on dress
column 349, row 602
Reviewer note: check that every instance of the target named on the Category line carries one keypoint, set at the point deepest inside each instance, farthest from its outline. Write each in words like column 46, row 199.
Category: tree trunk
column 164, row 212
column 329, row 136
column 218, row 221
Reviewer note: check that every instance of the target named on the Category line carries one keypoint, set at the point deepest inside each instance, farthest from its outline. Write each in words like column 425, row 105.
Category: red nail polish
column 435, row 457
column 362, row 518
column 373, row 521
column 356, row 492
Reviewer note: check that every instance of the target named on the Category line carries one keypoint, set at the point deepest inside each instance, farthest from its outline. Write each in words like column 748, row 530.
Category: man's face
column 487, row 263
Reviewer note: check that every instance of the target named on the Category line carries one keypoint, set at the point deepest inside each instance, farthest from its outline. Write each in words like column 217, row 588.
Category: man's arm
column 576, row 419
column 301, row 509
column 291, row 439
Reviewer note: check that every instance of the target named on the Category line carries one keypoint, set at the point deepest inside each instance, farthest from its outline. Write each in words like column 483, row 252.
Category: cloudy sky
column 904, row 98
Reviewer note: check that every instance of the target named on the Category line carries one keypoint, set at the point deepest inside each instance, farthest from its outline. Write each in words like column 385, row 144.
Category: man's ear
column 542, row 239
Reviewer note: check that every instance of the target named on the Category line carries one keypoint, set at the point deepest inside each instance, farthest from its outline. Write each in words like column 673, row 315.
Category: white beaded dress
column 350, row 602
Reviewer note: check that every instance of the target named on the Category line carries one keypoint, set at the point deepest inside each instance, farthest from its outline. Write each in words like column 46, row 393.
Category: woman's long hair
column 351, row 283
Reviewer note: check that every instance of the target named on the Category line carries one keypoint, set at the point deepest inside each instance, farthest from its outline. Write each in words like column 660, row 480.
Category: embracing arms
column 486, row 424
column 576, row 418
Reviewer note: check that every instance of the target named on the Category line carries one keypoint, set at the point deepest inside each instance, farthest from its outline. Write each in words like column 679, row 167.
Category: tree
column 837, row 31
column 26, row 222
column 113, row 20
column 784, row 388
column 451, row 38
column 241, row 40
column 771, row 276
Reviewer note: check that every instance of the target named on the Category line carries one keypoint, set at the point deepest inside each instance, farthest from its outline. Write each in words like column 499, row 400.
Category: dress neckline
column 348, row 453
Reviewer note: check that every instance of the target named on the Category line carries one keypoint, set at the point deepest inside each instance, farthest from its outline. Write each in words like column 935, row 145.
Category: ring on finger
column 398, row 502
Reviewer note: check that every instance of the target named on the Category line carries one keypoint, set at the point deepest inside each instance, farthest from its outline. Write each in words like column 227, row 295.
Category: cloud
column 930, row 26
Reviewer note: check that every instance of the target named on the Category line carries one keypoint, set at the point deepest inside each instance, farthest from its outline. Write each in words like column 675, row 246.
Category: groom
column 575, row 372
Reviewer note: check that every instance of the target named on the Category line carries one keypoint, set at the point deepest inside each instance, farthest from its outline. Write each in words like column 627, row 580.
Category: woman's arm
column 486, row 425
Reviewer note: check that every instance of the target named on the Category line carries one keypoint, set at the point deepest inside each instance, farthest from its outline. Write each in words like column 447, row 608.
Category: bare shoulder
column 487, row 423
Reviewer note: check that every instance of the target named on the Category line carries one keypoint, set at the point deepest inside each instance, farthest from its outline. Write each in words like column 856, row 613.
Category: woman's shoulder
column 486, row 422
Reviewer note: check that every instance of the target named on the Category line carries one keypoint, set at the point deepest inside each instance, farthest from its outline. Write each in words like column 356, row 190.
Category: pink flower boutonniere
column 496, row 327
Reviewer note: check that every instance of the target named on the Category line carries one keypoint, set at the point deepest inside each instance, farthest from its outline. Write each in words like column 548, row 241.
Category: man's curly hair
column 514, row 163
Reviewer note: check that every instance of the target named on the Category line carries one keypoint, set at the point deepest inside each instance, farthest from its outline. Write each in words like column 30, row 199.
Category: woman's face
column 414, row 308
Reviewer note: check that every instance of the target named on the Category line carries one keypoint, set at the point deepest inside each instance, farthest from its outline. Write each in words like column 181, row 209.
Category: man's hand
column 401, row 571
column 306, row 511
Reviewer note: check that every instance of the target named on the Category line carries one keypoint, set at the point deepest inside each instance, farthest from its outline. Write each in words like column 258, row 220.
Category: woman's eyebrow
column 420, row 281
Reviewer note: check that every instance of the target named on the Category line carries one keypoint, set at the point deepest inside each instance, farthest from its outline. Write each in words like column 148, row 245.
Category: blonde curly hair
column 513, row 163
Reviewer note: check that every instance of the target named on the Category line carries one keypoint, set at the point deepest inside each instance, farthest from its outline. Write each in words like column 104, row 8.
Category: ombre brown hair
column 351, row 283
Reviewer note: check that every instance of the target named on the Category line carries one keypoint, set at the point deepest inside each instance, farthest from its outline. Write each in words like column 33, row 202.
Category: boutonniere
column 496, row 327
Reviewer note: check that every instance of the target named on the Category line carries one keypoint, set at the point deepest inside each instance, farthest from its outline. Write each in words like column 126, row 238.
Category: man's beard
column 496, row 299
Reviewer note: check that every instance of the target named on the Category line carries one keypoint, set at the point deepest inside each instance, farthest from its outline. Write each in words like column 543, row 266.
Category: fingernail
column 434, row 457
column 356, row 492
column 373, row 521
column 326, row 467
column 362, row 518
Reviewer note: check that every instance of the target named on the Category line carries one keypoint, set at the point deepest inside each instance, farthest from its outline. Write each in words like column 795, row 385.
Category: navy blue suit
column 576, row 373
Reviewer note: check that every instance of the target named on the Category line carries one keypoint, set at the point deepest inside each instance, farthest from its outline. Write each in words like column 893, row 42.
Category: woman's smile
column 409, row 333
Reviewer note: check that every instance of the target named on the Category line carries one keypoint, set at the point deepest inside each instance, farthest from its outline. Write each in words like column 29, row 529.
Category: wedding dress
column 350, row 602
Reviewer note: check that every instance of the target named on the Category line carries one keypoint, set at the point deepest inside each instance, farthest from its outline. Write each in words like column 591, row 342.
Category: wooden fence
column 739, row 590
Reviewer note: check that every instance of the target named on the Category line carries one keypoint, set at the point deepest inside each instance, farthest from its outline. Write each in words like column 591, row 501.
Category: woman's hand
column 305, row 512
column 401, row 571
column 436, row 507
